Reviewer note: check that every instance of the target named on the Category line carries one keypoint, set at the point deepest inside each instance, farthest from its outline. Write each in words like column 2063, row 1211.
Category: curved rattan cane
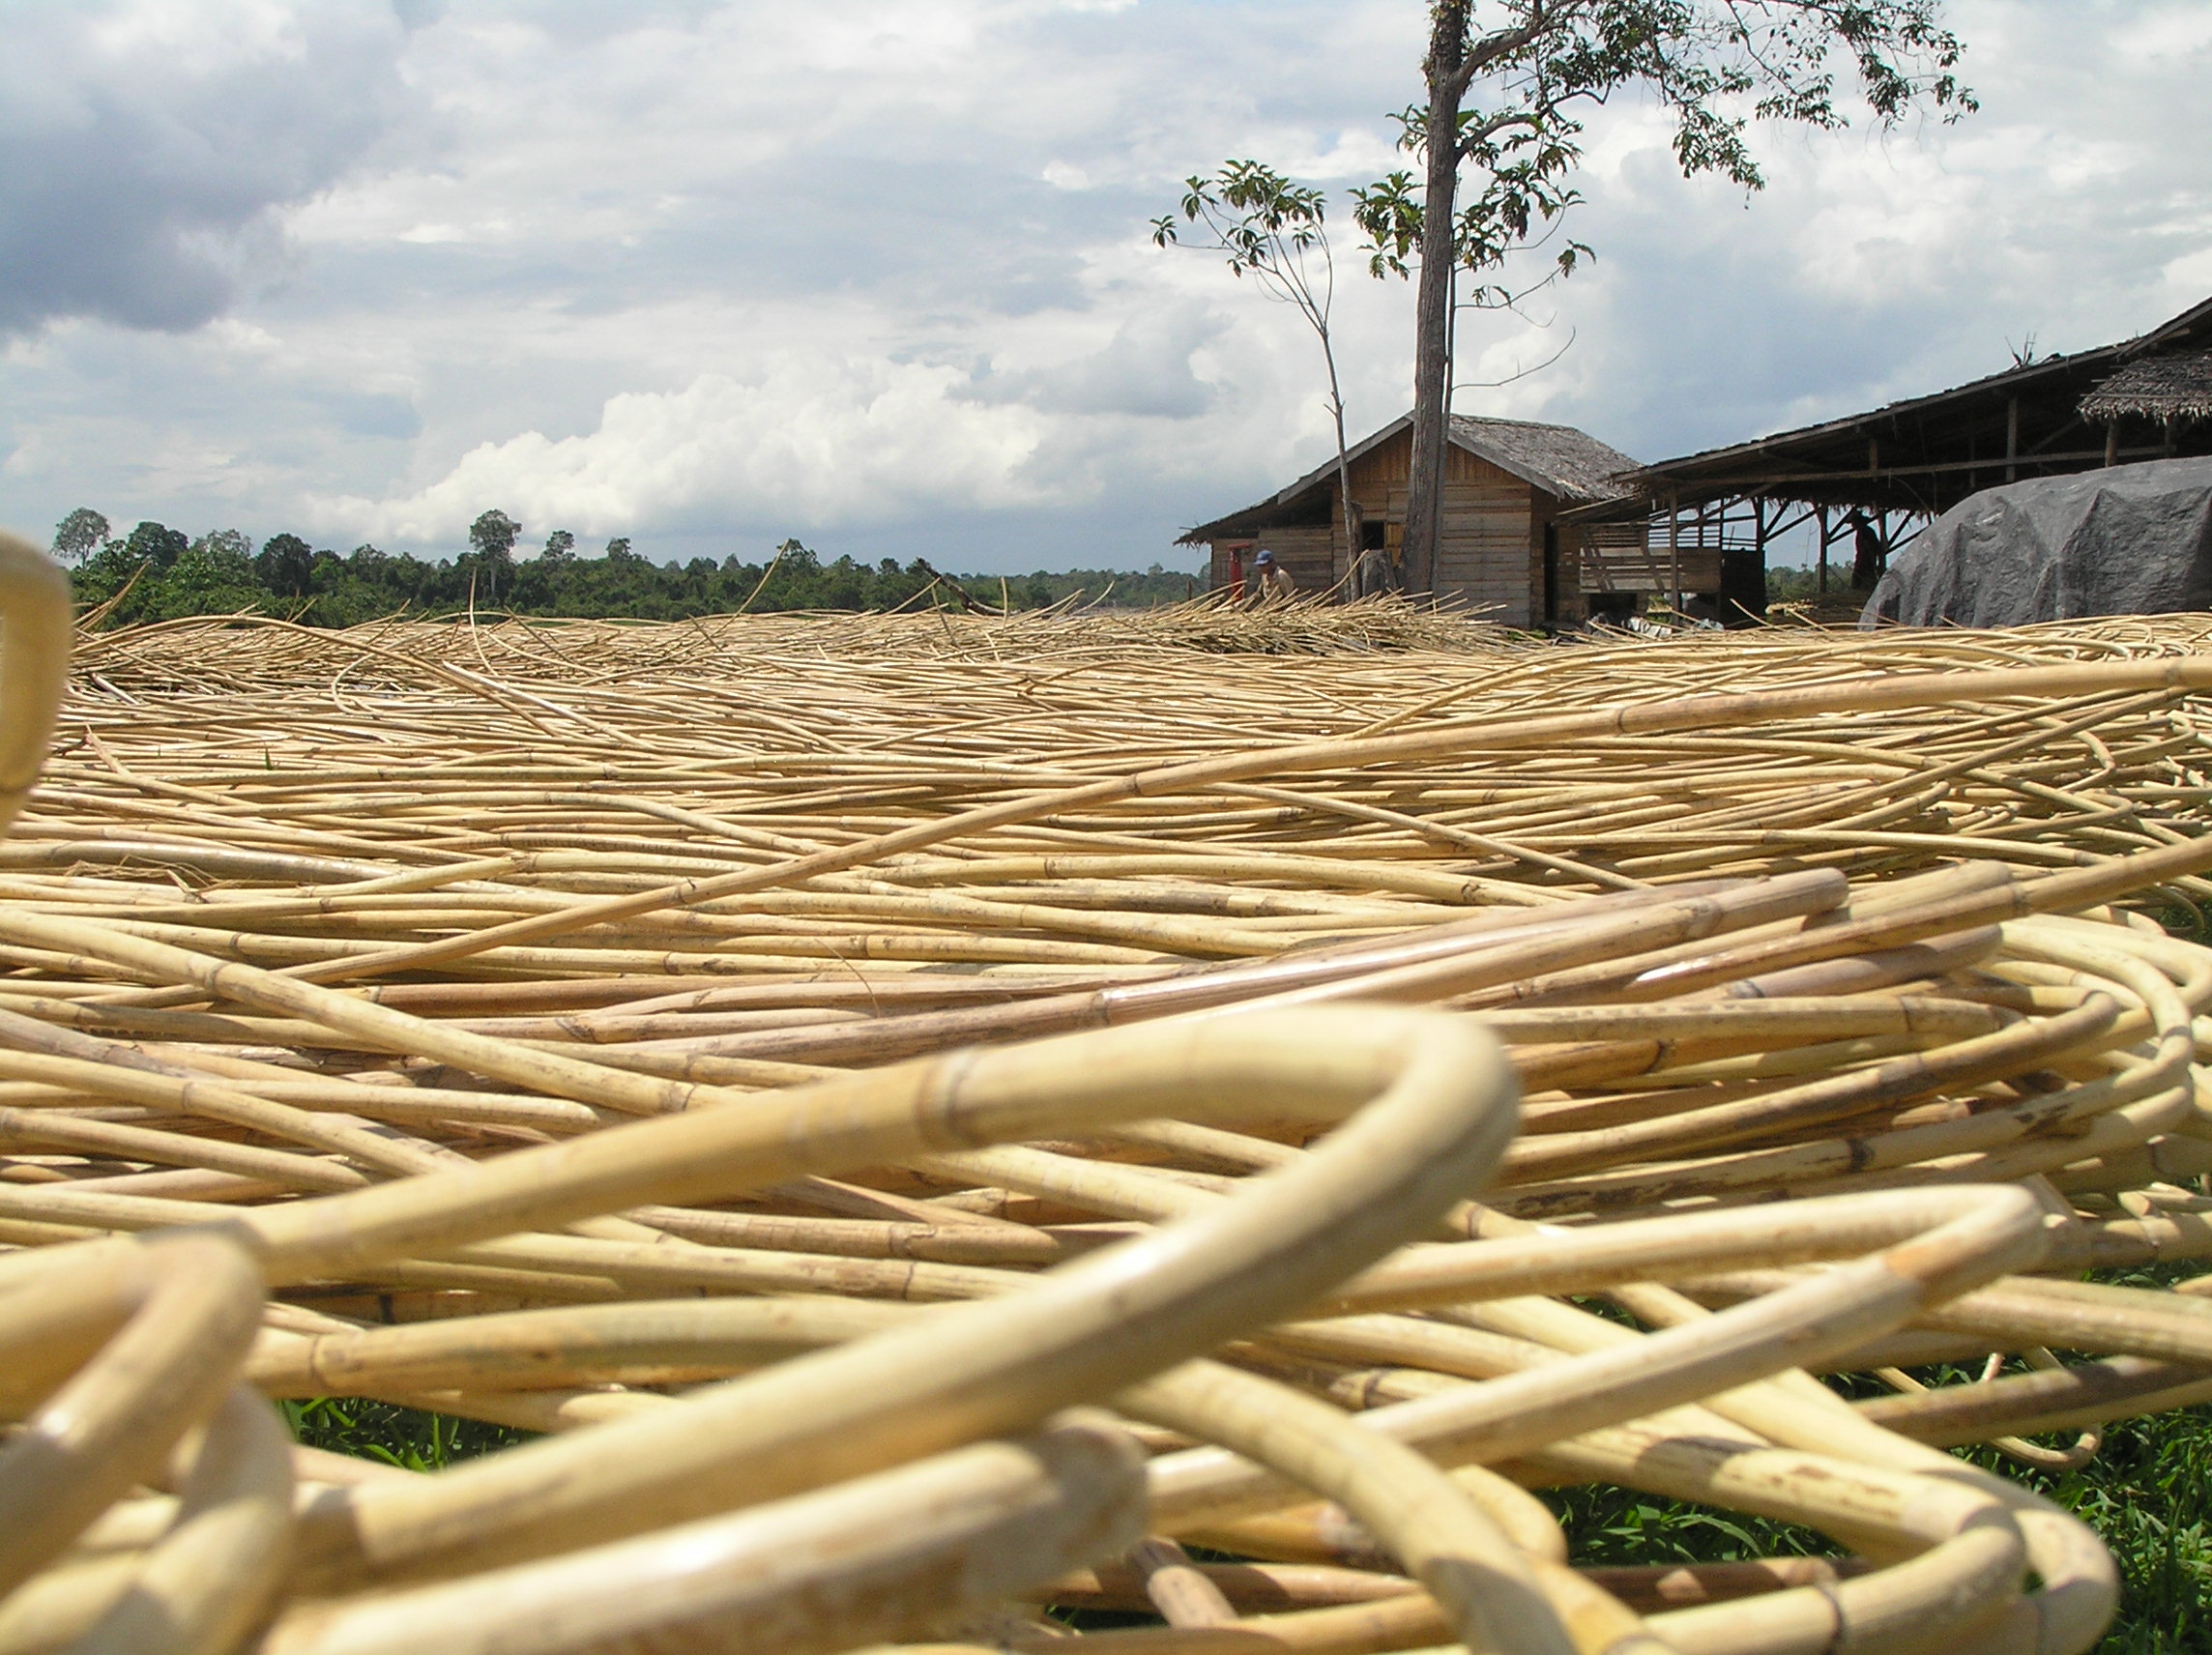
column 34, row 665
column 377, row 953
column 182, row 1313
column 920, row 1545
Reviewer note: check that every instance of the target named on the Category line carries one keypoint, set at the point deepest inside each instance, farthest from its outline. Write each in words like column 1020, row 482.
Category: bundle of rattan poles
column 937, row 1123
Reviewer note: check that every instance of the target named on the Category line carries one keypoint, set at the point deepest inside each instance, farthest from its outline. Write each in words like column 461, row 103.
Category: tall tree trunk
column 1425, row 488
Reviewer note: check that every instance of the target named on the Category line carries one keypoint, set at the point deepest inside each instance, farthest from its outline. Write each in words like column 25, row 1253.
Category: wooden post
column 1675, row 547
column 1759, row 550
column 2012, row 439
column 1820, row 583
column 2113, row 441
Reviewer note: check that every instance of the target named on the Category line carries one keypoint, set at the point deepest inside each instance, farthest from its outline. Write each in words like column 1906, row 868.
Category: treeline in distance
column 158, row 574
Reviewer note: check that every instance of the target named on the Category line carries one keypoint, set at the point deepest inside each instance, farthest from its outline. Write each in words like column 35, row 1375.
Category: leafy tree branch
column 1510, row 85
column 1275, row 232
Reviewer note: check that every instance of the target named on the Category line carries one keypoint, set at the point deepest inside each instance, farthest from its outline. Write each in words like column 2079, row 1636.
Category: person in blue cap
column 1272, row 581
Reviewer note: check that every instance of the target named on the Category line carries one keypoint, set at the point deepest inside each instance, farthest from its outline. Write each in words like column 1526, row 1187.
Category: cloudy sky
column 876, row 273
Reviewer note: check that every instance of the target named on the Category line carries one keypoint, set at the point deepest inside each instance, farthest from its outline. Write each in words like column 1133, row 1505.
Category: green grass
column 403, row 1436
column 1612, row 1528
column 2145, row 1493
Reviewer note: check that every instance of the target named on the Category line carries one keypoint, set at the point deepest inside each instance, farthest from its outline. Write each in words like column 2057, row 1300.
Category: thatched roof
column 1571, row 465
column 2156, row 388
column 1563, row 462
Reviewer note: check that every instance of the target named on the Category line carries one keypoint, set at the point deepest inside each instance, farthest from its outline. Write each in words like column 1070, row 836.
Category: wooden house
column 1505, row 481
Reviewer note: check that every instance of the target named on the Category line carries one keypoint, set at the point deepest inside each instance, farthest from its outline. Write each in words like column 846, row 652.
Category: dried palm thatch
column 2156, row 388
column 931, row 1115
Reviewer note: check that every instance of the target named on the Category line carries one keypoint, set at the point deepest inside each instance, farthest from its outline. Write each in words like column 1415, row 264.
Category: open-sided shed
column 1505, row 482
column 1885, row 472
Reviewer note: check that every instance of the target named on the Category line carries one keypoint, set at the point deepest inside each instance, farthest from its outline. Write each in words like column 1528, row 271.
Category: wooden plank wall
column 1492, row 555
column 1485, row 558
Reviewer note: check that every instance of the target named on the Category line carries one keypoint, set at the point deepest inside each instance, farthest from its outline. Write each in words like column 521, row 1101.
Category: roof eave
column 2147, row 408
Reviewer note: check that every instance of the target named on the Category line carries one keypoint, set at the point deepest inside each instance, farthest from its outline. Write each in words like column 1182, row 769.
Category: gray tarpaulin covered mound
column 2134, row 540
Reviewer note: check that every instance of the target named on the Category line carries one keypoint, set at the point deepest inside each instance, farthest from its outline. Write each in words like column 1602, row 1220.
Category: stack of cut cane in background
column 937, row 1122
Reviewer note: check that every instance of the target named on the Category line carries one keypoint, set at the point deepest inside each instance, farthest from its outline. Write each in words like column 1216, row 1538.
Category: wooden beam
column 1752, row 482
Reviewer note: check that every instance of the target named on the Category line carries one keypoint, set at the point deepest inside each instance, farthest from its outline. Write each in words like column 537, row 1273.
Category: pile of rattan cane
column 931, row 1118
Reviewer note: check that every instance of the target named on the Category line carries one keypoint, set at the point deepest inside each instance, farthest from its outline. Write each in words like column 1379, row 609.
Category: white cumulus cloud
column 813, row 440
